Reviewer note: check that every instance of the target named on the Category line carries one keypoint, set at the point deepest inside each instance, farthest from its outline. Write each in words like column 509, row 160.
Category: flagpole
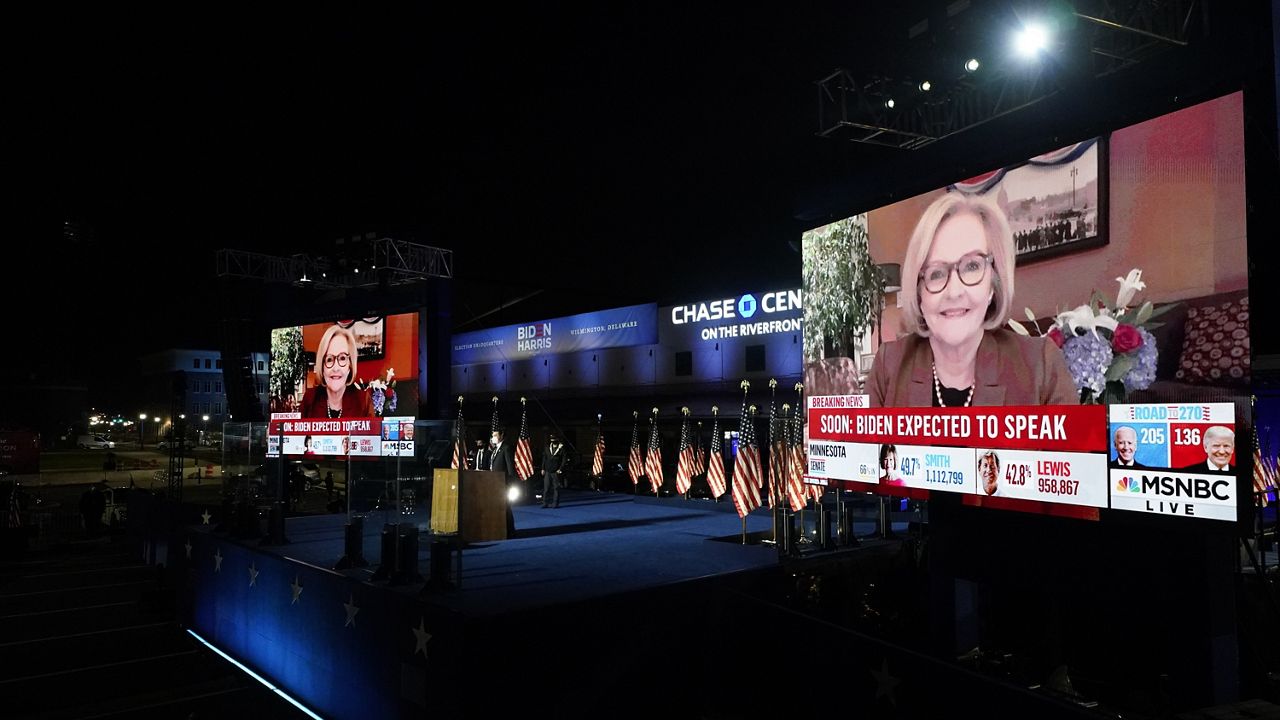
column 684, row 433
column 715, row 428
column 654, row 421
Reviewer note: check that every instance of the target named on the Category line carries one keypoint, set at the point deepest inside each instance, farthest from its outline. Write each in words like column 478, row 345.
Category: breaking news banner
column 1048, row 454
column 1175, row 459
column 1059, row 428
column 360, row 437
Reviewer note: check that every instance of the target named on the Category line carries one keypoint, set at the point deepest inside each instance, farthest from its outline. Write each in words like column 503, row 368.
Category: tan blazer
column 1012, row 369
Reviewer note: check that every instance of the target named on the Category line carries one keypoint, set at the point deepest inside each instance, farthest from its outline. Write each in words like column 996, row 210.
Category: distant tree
column 843, row 288
column 287, row 368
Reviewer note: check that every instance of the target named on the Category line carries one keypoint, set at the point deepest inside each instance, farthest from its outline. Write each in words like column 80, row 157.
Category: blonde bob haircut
column 323, row 349
column 999, row 244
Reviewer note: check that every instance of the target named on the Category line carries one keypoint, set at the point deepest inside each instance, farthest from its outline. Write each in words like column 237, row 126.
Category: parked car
column 95, row 442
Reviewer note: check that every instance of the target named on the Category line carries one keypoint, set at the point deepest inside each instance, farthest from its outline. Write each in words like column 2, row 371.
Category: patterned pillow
column 1215, row 348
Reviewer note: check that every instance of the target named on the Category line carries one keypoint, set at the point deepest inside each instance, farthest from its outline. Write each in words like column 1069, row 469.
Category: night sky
column 608, row 155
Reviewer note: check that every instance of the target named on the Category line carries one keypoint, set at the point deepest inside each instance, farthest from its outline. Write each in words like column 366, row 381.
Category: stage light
column 1030, row 40
column 889, row 103
column 972, row 65
column 926, row 86
column 513, row 494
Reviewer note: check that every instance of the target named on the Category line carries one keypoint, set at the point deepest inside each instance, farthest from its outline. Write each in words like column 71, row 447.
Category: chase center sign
column 748, row 315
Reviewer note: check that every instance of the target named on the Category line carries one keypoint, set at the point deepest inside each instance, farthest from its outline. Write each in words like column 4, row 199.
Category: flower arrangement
column 1109, row 347
column 382, row 392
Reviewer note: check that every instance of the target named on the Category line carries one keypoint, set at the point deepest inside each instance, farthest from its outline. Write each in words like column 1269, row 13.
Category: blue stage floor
column 593, row 545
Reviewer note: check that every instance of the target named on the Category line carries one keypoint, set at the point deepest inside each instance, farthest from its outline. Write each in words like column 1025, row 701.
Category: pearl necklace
column 937, row 389
column 334, row 414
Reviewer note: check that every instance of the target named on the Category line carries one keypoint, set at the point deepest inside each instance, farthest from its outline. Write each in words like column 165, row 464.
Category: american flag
column 687, row 458
column 635, row 462
column 775, row 457
column 791, row 472
column 798, row 448
column 524, row 453
column 1261, row 482
column 715, row 461
column 459, row 441
column 597, row 462
column 653, row 458
column 701, row 466
column 746, row 468
column 494, row 424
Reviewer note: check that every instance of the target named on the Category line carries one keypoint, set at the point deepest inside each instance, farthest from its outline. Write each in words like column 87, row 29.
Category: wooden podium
column 470, row 503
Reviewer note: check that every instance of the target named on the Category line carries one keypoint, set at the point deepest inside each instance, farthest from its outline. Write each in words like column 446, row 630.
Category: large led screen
column 1022, row 336
column 346, row 387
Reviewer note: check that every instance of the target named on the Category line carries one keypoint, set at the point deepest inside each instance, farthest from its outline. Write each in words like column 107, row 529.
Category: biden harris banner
column 619, row 327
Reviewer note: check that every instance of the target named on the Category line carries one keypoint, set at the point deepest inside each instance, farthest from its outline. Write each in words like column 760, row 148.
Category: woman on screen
column 957, row 286
column 335, row 369
column 889, row 465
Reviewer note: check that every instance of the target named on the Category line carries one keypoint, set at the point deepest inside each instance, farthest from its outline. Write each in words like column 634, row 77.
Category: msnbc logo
column 1128, row 484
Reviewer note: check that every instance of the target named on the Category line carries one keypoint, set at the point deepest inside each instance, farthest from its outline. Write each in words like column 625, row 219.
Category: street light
column 142, row 430
column 204, row 430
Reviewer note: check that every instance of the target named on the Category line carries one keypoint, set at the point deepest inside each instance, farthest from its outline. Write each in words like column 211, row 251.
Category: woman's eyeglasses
column 342, row 360
column 970, row 268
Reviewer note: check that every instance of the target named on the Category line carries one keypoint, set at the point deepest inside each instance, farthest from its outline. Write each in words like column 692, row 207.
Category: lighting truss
column 1121, row 33
column 395, row 262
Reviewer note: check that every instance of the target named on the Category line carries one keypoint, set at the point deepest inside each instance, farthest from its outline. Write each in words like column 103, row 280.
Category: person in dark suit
column 553, row 464
column 480, row 456
column 957, row 289
column 502, row 458
column 1219, row 446
column 1125, row 440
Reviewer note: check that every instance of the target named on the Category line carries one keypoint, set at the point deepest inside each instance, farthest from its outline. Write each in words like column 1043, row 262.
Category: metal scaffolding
column 384, row 260
column 880, row 110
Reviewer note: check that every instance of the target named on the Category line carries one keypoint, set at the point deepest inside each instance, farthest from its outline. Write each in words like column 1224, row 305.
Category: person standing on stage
column 553, row 464
column 502, row 459
column 480, row 456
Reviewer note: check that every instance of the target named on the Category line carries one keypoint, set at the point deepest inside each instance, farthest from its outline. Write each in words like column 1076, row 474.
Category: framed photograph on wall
column 370, row 335
column 865, row 361
column 1056, row 202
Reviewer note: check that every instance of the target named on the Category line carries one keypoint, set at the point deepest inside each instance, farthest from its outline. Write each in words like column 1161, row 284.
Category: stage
column 603, row 576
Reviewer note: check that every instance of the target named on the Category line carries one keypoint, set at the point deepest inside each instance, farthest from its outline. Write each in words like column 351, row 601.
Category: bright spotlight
column 889, row 103
column 1031, row 40
column 972, row 65
column 513, row 493
column 926, row 86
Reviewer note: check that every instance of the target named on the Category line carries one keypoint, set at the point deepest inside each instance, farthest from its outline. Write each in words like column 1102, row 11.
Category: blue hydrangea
column 1143, row 372
column 1088, row 357
column 391, row 404
column 378, row 399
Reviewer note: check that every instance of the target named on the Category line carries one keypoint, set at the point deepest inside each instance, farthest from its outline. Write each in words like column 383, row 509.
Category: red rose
column 1126, row 338
column 1056, row 336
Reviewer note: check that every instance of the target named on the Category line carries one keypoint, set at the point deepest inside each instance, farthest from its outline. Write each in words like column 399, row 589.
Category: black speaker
column 353, row 546
column 406, row 571
column 387, row 561
column 441, row 566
